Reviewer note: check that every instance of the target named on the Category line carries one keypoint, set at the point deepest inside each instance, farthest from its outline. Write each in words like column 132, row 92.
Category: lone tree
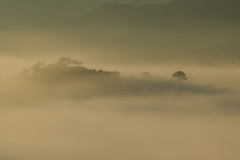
column 179, row 75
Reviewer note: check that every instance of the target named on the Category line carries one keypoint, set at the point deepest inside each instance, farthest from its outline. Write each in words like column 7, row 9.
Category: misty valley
column 119, row 80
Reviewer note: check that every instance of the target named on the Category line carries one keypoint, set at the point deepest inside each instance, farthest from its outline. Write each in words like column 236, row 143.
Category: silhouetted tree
column 69, row 61
column 65, row 60
column 179, row 75
column 76, row 63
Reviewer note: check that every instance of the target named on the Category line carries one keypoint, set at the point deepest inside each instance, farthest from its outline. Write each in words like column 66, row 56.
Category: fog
column 62, row 111
column 120, row 80
column 124, row 45
column 74, row 132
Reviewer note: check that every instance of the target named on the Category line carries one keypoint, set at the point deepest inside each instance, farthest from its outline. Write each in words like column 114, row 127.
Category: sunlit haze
column 119, row 79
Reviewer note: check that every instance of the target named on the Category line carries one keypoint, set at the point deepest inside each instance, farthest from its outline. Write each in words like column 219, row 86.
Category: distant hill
column 110, row 13
column 54, row 11
column 179, row 12
column 204, row 32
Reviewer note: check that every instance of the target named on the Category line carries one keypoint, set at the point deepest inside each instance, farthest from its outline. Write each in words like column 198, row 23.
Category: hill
column 181, row 12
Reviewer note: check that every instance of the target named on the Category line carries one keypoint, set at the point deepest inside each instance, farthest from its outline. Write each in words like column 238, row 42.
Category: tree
column 65, row 60
column 179, row 75
column 76, row 63
column 69, row 61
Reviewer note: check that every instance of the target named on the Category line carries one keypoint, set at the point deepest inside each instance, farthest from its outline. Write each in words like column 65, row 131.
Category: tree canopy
column 179, row 75
column 69, row 61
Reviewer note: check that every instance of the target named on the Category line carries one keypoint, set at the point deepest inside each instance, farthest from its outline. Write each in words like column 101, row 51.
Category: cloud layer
column 63, row 111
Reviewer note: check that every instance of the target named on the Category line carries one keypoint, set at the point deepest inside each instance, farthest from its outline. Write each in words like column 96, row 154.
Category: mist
column 63, row 111
column 125, row 45
column 119, row 80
